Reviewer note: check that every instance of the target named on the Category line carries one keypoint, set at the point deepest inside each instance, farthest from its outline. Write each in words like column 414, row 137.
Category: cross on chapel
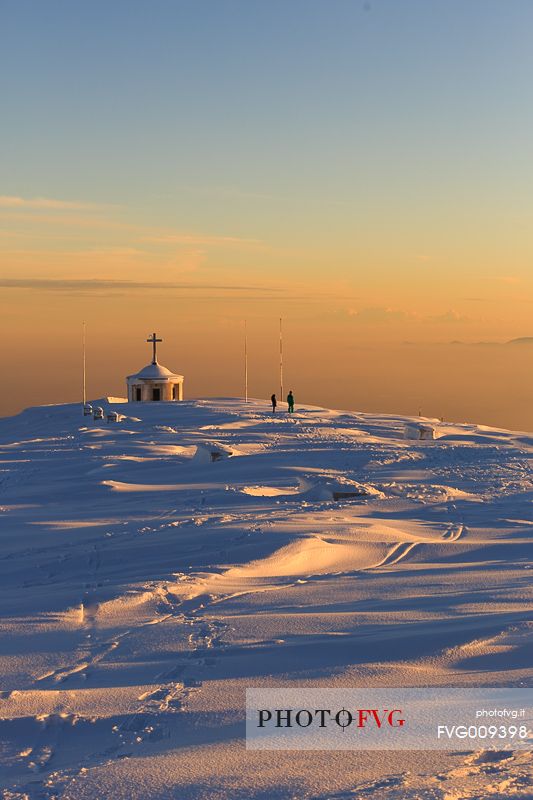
column 153, row 338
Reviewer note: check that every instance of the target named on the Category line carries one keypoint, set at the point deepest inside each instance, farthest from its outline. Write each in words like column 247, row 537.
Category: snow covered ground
column 153, row 569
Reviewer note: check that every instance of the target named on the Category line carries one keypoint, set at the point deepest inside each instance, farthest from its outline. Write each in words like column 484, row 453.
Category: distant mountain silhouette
column 527, row 340
column 522, row 340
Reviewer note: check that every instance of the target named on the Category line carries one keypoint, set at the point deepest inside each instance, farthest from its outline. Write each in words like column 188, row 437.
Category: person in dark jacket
column 274, row 403
column 290, row 401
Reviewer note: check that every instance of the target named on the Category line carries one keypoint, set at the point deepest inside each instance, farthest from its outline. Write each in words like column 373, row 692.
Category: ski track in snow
column 154, row 568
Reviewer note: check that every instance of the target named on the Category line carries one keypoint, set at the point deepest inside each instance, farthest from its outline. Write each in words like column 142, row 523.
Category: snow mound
column 336, row 487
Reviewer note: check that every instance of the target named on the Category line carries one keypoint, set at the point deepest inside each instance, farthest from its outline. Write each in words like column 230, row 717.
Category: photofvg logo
column 325, row 717
column 401, row 719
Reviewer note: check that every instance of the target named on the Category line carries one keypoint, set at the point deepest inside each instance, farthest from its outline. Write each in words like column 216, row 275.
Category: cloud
column 378, row 314
column 66, row 213
column 69, row 219
column 448, row 316
column 188, row 239
column 98, row 284
column 47, row 203
column 104, row 252
column 521, row 340
column 19, row 209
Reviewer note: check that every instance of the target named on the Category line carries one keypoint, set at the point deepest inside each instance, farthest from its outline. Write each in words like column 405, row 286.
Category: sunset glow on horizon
column 362, row 170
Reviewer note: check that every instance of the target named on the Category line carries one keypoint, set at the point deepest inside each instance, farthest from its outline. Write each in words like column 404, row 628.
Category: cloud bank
column 47, row 203
column 92, row 284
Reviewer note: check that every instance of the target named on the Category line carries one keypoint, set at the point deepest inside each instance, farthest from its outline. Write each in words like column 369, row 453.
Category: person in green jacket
column 290, row 401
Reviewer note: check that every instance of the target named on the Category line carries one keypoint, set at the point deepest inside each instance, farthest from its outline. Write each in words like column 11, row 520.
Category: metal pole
column 245, row 362
column 280, row 359
column 84, row 377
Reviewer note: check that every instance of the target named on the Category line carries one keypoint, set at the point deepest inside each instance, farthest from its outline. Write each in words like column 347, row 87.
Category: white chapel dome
column 153, row 372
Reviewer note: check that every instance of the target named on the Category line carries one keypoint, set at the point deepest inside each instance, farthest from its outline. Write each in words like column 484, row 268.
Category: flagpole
column 280, row 360
column 245, row 362
column 84, row 370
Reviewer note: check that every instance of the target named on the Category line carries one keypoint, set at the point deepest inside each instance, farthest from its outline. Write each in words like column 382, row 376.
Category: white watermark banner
column 389, row 719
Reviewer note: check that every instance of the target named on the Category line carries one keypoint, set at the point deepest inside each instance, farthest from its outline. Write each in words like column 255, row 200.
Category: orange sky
column 365, row 174
column 347, row 343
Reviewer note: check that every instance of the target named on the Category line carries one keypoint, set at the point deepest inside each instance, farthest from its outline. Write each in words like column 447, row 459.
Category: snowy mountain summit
column 154, row 567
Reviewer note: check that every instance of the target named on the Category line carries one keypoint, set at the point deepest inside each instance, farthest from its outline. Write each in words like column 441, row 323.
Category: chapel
column 154, row 382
